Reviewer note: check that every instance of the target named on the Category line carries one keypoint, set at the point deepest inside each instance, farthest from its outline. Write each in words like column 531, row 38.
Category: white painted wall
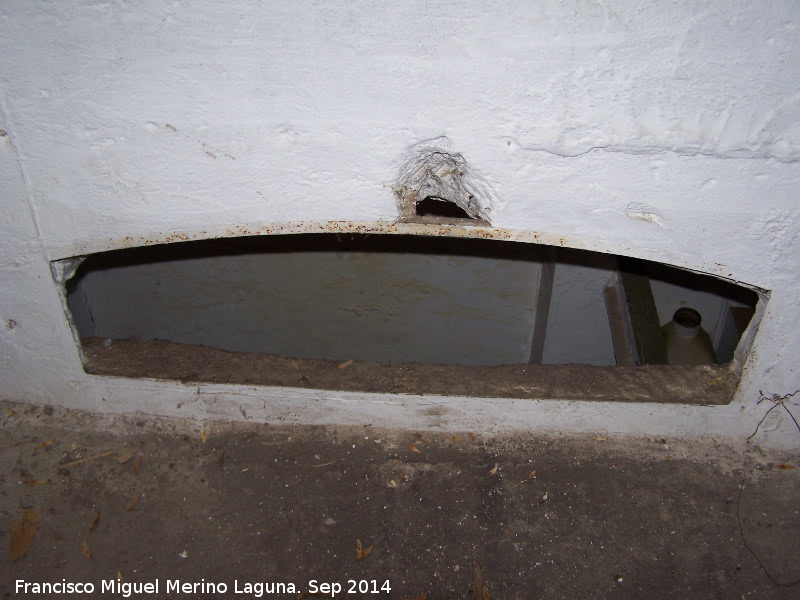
column 666, row 133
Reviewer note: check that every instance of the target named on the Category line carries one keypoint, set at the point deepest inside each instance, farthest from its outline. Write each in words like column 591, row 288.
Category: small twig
column 776, row 402
column 87, row 459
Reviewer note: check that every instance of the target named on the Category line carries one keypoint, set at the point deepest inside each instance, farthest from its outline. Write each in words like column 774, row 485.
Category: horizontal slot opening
column 405, row 314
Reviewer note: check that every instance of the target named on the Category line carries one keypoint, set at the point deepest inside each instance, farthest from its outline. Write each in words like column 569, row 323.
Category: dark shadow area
column 690, row 280
column 307, row 242
column 438, row 207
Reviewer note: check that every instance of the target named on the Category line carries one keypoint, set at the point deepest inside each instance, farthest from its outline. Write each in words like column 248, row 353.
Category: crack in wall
column 653, row 150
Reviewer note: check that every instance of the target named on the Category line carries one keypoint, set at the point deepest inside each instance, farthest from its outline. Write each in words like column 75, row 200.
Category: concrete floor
column 151, row 500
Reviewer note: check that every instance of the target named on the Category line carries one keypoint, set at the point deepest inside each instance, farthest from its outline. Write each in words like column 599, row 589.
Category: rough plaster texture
column 667, row 133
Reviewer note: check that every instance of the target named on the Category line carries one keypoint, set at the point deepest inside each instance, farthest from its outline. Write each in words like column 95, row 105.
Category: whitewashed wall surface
column 670, row 133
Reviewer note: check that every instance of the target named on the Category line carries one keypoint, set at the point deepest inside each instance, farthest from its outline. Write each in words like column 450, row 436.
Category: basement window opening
column 403, row 314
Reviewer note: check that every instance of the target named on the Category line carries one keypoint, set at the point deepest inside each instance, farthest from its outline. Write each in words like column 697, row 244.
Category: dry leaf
column 119, row 575
column 784, row 466
column 86, row 552
column 324, row 464
column 83, row 460
column 138, row 466
column 36, row 482
column 11, row 412
column 46, row 444
column 494, row 469
column 479, row 590
column 413, row 448
column 362, row 554
column 22, row 532
column 124, row 457
column 532, row 475
column 203, row 436
column 599, row 438
column 346, row 364
column 421, row 440
column 95, row 521
column 472, row 437
column 132, row 504
column 455, row 438
column 295, row 365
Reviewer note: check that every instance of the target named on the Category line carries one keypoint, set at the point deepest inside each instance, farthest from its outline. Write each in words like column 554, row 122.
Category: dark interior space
column 405, row 314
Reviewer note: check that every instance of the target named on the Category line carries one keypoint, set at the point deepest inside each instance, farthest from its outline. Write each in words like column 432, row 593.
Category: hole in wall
column 402, row 314
column 433, row 206
column 437, row 185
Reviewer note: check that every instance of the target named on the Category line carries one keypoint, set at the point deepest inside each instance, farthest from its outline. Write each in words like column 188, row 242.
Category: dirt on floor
column 160, row 359
column 123, row 502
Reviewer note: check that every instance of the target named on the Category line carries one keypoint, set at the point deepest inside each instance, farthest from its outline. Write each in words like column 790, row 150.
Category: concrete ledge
column 705, row 385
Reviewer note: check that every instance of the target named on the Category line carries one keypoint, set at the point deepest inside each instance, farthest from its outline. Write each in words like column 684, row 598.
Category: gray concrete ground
column 257, row 508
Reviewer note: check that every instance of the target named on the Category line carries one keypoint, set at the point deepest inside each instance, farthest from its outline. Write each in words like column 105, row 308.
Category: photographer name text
column 255, row 589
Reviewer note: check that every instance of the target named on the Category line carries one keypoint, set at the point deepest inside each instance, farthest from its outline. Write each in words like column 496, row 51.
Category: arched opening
column 404, row 314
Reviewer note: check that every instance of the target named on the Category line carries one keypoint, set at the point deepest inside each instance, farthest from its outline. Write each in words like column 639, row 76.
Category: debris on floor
column 360, row 512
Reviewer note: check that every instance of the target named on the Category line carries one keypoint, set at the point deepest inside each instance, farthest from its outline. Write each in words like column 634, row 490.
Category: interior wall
column 664, row 133
column 578, row 329
column 434, row 303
